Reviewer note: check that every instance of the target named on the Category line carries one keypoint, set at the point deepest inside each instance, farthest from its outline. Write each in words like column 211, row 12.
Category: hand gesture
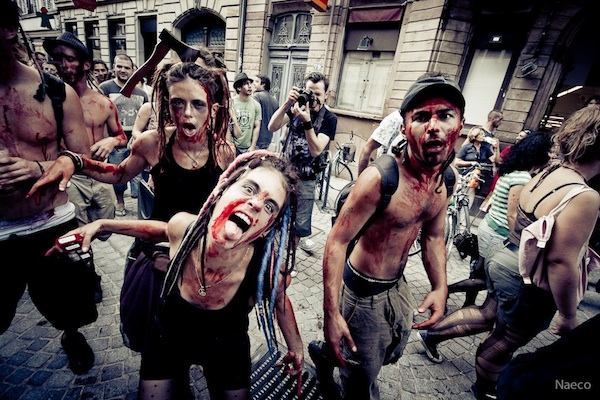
column 62, row 169
column 436, row 302
column 293, row 363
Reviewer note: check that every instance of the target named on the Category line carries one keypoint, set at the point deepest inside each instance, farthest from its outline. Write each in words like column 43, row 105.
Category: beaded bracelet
column 76, row 158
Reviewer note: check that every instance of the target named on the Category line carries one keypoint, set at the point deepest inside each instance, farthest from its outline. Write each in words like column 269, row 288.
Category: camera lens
column 302, row 99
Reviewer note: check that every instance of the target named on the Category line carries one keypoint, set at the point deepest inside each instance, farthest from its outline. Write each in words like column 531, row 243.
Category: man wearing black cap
column 248, row 114
column 31, row 133
column 93, row 200
column 373, row 317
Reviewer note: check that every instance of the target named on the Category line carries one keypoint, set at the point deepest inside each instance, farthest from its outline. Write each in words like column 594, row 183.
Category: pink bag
column 532, row 249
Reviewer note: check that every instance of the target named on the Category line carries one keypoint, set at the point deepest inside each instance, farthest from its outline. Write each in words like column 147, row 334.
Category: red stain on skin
column 223, row 217
column 97, row 166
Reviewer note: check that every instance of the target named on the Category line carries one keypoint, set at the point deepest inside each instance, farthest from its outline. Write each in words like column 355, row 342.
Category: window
column 92, row 38
column 206, row 30
column 292, row 29
column 364, row 80
column 369, row 48
column 71, row 27
column 116, row 35
column 484, row 83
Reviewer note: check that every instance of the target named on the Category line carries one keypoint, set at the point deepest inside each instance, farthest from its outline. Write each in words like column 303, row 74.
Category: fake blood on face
column 222, row 219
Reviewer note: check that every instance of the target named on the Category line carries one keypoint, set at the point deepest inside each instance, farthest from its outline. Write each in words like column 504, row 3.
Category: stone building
column 518, row 56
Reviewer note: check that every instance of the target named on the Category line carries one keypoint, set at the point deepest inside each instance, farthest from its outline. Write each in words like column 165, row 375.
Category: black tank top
column 180, row 316
column 178, row 189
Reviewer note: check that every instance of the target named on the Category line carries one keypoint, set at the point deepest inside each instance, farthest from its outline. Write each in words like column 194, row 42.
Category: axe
column 165, row 43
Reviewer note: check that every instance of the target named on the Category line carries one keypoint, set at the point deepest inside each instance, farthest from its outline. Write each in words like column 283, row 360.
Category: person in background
column 100, row 71
column 39, row 58
column 312, row 126
column 127, row 108
column 248, row 115
column 30, row 132
column 524, row 310
column 593, row 100
column 268, row 105
column 50, row 68
column 527, row 158
column 381, row 138
column 477, row 151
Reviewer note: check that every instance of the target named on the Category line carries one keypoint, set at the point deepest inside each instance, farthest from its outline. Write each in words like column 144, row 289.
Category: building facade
column 518, row 56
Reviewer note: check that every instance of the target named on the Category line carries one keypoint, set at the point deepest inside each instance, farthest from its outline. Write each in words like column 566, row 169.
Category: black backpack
column 388, row 169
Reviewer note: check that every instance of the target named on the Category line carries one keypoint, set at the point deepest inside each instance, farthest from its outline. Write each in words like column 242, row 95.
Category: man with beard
column 31, row 133
column 368, row 305
column 92, row 199
column 312, row 127
column 128, row 108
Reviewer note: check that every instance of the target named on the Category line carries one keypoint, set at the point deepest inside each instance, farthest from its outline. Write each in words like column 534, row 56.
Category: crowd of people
column 228, row 216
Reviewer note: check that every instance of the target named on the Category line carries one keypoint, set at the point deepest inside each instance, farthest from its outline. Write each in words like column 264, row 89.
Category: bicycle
column 337, row 166
column 458, row 219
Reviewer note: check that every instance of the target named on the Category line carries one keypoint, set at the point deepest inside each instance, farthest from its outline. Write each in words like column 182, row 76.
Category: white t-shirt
column 388, row 132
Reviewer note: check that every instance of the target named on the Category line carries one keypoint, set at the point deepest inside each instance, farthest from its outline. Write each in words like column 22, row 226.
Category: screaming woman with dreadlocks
column 229, row 258
column 368, row 305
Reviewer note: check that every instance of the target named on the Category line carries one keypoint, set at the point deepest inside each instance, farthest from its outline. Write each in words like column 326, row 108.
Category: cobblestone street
column 33, row 365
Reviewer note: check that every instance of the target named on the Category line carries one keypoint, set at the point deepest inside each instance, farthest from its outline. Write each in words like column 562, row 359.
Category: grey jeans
column 380, row 326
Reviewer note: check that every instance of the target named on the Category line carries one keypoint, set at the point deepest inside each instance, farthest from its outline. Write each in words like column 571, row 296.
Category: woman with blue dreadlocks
column 230, row 257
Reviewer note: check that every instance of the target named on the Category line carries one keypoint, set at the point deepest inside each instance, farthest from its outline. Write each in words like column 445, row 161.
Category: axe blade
column 165, row 43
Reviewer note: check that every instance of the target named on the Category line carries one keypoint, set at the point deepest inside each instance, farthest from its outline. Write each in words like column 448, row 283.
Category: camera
column 72, row 248
column 306, row 96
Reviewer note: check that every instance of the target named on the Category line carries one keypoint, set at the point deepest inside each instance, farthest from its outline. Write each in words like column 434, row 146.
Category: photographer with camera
column 311, row 127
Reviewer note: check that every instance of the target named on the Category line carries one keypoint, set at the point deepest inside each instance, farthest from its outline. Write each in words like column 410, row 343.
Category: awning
column 375, row 14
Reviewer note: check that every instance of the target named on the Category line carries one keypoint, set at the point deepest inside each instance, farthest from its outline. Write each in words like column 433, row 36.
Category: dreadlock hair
column 279, row 249
column 213, row 80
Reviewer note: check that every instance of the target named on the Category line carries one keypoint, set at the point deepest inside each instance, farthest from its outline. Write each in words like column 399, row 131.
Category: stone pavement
column 34, row 366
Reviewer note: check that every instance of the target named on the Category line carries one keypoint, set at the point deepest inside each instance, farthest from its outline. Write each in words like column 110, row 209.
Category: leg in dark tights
column 464, row 322
column 496, row 351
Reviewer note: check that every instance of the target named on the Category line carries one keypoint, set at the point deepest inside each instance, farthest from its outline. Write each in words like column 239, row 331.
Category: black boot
column 324, row 364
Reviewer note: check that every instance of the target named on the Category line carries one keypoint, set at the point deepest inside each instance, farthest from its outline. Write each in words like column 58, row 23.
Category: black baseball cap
column 69, row 40
column 430, row 85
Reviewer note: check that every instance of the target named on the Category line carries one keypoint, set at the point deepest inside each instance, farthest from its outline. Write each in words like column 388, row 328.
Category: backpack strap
column 55, row 89
column 388, row 169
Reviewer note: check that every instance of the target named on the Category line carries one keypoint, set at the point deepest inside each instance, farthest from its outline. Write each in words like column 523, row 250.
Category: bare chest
column 27, row 126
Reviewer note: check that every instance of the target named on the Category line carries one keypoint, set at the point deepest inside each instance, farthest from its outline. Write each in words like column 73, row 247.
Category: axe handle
column 160, row 51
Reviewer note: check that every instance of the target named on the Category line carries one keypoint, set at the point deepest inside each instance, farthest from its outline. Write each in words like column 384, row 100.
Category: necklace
column 194, row 161
column 573, row 169
column 201, row 282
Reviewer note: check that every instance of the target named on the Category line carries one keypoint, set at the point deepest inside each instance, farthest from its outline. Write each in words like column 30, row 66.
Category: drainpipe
column 243, row 8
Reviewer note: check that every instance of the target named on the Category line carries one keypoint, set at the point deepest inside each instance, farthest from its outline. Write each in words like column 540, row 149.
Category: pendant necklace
column 201, row 282
column 194, row 161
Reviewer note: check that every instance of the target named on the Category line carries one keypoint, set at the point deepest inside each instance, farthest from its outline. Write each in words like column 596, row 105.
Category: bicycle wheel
column 449, row 232
column 340, row 176
column 415, row 248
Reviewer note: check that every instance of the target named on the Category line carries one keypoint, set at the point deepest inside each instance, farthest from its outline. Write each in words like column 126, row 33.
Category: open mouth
column 189, row 129
column 434, row 145
column 241, row 220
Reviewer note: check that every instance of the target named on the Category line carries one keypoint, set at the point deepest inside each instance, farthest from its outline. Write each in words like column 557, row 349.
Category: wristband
column 75, row 158
column 566, row 316
column 307, row 125
column 41, row 167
